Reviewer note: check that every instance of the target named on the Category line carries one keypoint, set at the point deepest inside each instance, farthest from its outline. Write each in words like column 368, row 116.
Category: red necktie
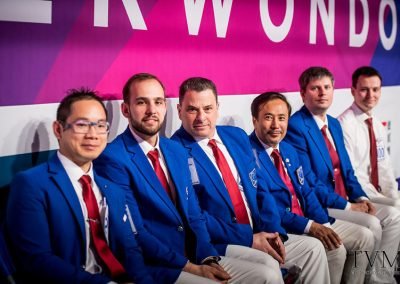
column 373, row 155
column 296, row 209
column 97, row 234
column 230, row 183
column 154, row 158
column 339, row 183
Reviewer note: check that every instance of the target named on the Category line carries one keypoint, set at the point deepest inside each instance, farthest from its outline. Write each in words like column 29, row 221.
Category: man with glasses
column 66, row 224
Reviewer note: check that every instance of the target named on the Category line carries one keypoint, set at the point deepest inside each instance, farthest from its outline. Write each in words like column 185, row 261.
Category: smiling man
column 66, row 223
column 366, row 139
column 318, row 139
column 236, row 201
column 299, row 208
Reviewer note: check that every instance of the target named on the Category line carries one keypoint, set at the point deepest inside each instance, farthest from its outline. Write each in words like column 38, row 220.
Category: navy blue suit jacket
column 310, row 205
column 45, row 225
column 304, row 135
column 214, row 197
column 170, row 227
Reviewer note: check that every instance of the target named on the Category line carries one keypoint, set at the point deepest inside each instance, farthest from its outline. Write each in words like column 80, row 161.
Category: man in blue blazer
column 164, row 192
column 62, row 231
column 260, row 226
column 318, row 138
column 299, row 208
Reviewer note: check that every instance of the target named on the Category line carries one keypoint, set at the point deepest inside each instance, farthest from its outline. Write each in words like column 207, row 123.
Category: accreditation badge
column 300, row 175
column 380, row 149
column 193, row 171
column 253, row 177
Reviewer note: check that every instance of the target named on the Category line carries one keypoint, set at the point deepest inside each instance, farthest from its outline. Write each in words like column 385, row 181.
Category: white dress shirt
column 356, row 137
column 203, row 143
column 74, row 173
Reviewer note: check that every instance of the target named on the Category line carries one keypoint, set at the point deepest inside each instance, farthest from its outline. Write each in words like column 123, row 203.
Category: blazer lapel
column 241, row 168
column 63, row 183
column 204, row 162
column 317, row 137
column 142, row 164
column 265, row 160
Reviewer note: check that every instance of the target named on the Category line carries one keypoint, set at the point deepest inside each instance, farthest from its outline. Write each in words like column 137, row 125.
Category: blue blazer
column 169, row 232
column 304, row 135
column 45, row 225
column 214, row 197
column 310, row 205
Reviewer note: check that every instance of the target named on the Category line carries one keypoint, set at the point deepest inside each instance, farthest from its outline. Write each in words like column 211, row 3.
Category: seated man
column 154, row 170
column 236, row 203
column 300, row 210
column 66, row 224
column 318, row 139
column 365, row 139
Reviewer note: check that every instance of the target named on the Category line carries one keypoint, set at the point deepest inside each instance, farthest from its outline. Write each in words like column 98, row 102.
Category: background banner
column 245, row 46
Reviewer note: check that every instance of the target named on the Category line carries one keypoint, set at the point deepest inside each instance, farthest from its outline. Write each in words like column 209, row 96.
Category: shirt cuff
column 348, row 206
column 307, row 228
column 328, row 225
column 211, row 259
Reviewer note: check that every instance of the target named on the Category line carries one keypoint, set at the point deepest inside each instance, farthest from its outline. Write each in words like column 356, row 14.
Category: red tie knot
column 323, row 129
column 85, row 180
column 369, row 121
column 212, row 143
column 153, row 155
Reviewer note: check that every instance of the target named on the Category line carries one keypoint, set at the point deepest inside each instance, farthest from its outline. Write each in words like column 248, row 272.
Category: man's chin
column 148, row 131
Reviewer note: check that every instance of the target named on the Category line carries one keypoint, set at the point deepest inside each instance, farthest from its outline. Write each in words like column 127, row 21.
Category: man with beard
column 155, row 170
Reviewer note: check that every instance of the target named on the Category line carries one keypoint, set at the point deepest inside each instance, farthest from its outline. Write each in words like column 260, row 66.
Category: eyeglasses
column 83, row 126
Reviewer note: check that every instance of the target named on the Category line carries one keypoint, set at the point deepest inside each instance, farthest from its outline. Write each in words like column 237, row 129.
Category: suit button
column 180, row 228
column 288, row 209
column 234, row 220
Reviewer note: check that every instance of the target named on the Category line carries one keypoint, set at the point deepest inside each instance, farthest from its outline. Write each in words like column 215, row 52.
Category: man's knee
column 366, row 239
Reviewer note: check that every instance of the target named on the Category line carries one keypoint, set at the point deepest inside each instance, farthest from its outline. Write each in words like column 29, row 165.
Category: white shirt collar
column 204, row 141
column 144, row 145
column 73, row 170
column 267, row 148
column 359, row 113
column 320, row 122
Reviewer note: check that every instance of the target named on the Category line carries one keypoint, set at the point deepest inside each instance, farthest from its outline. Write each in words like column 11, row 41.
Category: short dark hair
column 366, row 71
column 75, row 95
column 312, row 73
column 197, row 84
column 139, row 77
column 265, row 98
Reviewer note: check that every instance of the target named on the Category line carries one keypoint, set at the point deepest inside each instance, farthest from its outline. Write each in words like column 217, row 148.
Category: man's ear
column 57, row 129
column 353, row 91
column 179, row 109
column 125, row 110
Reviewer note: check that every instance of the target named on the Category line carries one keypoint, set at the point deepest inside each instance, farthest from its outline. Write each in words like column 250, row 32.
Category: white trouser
column 356, row 239
column 244, row 265
column 309, row 254
column 385, row 226
column 386, row 201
